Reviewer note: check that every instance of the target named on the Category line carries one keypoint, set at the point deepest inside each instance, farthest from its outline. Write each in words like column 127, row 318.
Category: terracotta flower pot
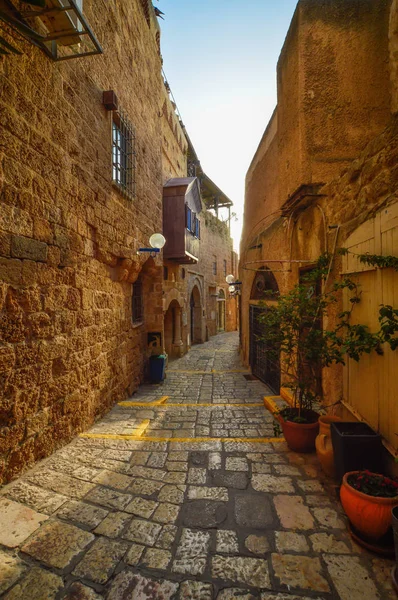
column 323, row 445
column 370, row 515
column 300, row 437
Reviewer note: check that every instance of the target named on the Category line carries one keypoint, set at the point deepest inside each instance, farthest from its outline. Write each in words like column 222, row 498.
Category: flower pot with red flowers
column 368, row 499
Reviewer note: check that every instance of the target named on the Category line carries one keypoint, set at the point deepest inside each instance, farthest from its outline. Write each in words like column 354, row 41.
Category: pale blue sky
column 220, row 60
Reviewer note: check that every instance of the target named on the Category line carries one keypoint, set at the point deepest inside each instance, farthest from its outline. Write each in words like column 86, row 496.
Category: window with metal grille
column 123, row 154
column 137, row 303
column 225, row 268
column 214, row 265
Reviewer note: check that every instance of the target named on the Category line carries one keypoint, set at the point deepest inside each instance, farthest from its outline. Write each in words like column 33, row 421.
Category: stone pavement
column 183, row 493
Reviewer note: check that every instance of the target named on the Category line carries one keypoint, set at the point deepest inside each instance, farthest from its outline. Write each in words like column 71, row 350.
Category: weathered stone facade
column 194, row 291
column 69, row 237
column 325, row 166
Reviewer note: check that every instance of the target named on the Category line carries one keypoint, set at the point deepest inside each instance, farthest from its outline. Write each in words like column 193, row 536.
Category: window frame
column 137, row 303
column 123, row 154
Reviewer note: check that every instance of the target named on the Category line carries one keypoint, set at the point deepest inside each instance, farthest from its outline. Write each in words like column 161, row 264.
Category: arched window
column 265, row 286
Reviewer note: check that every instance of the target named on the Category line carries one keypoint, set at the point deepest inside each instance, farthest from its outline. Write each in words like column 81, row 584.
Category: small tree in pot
column 296, row 341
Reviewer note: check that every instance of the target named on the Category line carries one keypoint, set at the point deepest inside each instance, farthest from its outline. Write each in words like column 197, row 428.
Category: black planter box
column 356, row 447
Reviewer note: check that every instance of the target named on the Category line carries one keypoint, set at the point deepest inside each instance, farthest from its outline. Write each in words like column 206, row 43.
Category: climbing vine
column 374, row 260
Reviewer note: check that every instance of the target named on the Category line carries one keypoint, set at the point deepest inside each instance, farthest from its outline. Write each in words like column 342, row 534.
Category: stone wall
column 67, row 236
column 352, row 195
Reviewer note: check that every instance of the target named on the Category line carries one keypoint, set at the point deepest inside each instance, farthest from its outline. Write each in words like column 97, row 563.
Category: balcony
column 181, row 227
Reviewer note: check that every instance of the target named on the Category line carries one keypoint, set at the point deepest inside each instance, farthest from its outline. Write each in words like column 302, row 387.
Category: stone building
column 323, row 177
column 83, row 146
column 197, row 303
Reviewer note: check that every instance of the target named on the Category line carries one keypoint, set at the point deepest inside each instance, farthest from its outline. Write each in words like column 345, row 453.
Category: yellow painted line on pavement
column 270, row 404
column 143, row 438
column 161, row 400
column 212, row 372
column 175, row 404
column 140, row 429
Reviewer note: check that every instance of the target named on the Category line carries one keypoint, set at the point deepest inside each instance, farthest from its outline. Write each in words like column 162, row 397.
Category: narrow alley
column 183, row 492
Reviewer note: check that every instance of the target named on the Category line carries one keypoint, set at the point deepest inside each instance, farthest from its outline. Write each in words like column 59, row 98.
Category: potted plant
column 296, row 340
column 368, row 499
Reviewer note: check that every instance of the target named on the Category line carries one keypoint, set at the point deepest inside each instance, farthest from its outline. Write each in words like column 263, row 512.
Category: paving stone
column 235, row 593
column 113, row 524
column 166, row 513
column 323, row 542
column 192, row 551
column 100, row 560
column 134, row 554
column 128, row 585
column 292, row 513
column 38, row 584
column 271, row 596
column 144, row 532
column 157, row 459
column 197, row 475
column 317, row 500
column 207, row 493
column 288, row 541
column 227, row 541
column 110, row 498
column 172, row 493
column 257, row 544
column 381, row 571
column 11, row 569
column 247, row 447
column 350, row 578
column 139, row 458
column 35, row 497
column 195, row 590
column 147, row 473
column 141, row 507
column 145, row 487
column 287, row 470
column 214, row 461
column 83, row 513
column 177, row 477
column 17, row 522
column 156, row 559
column 249, row 571
column 113, row 480
column 166, row 537
column 299, row 572
column 66, row 485
column 206, row 514
column 261, row 468
column 123, row 455
column 239, row 480
column 176, row 466
column 86, row 473
column 236, row 463
column 178, row 456
column 328, row 518
column 199, row 459
column 78, row 591
column 253, row 511
column 57, row 543
column 310, row 486
column 272, row 483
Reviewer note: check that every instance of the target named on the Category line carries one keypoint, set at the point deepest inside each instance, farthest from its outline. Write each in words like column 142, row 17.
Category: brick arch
column 173, row 295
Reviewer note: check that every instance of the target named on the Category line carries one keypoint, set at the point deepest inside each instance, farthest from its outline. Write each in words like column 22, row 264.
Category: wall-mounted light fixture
column 157, row 241
column 233, row 288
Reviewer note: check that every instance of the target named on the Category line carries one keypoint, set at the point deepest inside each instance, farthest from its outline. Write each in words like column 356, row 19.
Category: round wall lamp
column 157, row 241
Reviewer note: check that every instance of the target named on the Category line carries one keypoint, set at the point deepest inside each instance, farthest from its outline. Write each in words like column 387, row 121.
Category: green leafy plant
column 300, row 346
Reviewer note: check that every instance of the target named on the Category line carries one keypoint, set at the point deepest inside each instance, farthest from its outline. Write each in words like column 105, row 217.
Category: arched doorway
column 265, row 287
column 221, row 310
column 172, row 330
column 196, row 313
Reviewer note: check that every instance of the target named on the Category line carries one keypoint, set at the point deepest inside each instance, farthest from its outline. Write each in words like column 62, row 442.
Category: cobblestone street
column 214, row 507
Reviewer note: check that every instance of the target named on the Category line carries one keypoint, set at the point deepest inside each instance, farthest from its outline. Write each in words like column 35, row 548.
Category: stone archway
column 196, row 316
column 172, row 330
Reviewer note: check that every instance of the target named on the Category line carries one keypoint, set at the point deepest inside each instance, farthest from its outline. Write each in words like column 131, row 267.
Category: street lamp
column 157, row 241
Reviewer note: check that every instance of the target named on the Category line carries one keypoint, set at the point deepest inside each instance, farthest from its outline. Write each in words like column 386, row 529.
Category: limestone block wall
column 68, row 348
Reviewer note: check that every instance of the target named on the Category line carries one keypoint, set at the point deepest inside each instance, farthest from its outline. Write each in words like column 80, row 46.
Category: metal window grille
column 225, row 268
column 123, row 154
column 137, row 303
column 215, row 266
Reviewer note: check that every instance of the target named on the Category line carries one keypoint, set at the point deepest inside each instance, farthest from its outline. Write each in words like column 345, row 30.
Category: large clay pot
column 323, row 445
column 300, row 437
column 370, row 515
